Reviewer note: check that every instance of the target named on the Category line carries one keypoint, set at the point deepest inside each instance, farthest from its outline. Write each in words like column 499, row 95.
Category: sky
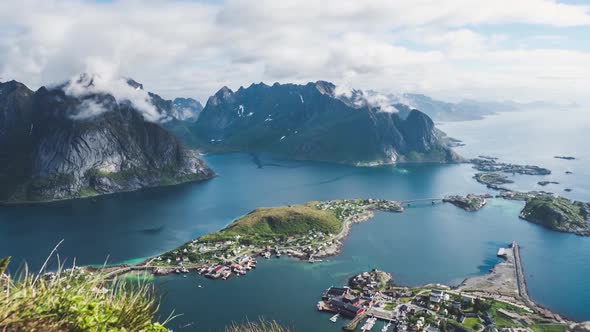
column 520, row 50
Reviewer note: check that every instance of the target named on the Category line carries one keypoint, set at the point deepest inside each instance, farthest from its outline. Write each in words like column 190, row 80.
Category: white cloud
column 102, row 77
column 361, row 98
column 189, row 48
column 88, row 109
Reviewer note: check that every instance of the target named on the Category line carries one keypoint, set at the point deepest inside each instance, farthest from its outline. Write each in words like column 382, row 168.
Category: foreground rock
column 558, row 214
column 66, row 145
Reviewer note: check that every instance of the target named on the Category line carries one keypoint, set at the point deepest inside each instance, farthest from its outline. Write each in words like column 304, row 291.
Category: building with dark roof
column 346, row 309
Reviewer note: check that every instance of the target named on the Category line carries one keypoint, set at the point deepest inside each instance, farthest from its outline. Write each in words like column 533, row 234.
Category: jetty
column 520, row 280
column 351, row 325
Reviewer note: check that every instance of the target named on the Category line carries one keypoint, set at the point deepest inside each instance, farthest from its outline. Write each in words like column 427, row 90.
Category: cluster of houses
column 239, row 266
column 359, row 209
column 344, row 301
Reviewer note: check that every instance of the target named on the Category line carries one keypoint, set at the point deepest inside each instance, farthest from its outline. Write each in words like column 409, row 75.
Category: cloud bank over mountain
column 523, row 50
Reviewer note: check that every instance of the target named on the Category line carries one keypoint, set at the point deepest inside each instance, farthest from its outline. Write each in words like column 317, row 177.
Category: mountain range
column 84, row 137
column 316, row 122
column 58, row 145
column 467, row 109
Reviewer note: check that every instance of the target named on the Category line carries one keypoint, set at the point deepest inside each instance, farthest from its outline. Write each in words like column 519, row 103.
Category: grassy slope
column 76, row 301
column 280, row 221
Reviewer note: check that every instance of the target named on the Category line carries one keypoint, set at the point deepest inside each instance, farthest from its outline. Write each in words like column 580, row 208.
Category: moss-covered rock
column 558, row 213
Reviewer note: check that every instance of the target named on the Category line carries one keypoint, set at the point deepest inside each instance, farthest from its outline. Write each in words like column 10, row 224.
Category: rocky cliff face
column 315, row 122
column 74, row 146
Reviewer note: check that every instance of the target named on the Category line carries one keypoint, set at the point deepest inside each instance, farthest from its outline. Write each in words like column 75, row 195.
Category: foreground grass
column 77, row 301
column 73, row 300
column 259, row 326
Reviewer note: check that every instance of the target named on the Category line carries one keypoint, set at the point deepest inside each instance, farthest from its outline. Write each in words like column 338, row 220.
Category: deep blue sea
column 425, row 244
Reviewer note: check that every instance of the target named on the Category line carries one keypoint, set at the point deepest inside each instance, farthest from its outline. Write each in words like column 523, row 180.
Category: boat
column 334, row 318
column 385, row 327
column 200, row 286
column 369, row 324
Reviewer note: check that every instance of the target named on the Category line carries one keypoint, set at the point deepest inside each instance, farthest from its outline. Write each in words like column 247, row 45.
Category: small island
column 470, row 202
column 493, row 180
column 492, row 165
column 558, row 214
column 544, row 183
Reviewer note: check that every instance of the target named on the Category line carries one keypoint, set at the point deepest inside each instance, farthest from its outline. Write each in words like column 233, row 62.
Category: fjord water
column 427, row 243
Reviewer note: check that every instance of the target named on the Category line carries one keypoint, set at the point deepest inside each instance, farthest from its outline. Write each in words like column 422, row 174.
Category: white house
column 437, row 296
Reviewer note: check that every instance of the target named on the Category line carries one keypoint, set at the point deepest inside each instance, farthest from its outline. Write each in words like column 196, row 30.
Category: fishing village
column 309, row 232
column 494, row 302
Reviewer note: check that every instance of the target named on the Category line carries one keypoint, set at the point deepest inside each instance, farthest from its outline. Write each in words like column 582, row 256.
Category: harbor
column 494, row 302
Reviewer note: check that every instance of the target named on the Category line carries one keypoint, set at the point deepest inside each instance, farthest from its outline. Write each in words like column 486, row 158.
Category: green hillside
column 279, row 222
column 558, row 213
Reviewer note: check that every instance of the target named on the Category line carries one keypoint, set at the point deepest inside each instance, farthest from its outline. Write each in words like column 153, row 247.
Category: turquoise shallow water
column 424, row 244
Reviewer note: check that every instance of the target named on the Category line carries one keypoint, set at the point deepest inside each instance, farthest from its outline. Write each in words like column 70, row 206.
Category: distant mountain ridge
column 181, row 109
column 316, row 122
column 55, row 145
column 465, row 110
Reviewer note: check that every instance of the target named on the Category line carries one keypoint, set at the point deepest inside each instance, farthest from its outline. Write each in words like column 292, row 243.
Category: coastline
column 501, row 278
column 496, row 299
column 56, row 200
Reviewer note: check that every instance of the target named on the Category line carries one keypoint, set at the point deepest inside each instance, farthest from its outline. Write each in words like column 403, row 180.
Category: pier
column 520, row 280
column 351, row 325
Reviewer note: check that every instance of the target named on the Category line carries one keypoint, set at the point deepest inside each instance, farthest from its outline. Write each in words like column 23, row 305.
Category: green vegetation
column 298, row 227
column 458, row 326
column 88, row 191
column 437, row 154
column 72, row 300
column 468, row 203
column 278, row 223
column 259, row 326
column 472, row 322
column 4, row 264
column 549, row 328
column 558, row 213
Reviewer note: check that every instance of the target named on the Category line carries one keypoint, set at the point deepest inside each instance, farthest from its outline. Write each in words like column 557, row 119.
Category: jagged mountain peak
column 64, row 145
column 318, row 121
column 325, row 87
column 133, row 83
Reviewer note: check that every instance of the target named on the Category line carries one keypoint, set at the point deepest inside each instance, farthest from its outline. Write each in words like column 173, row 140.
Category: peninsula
column 310, row 231
column 315, row 230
